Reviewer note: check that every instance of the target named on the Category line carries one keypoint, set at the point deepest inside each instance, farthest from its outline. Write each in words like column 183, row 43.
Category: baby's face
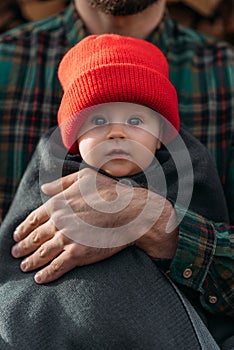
column 120, row 138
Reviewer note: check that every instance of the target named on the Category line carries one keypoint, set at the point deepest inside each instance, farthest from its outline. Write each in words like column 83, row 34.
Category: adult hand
column 75, row 227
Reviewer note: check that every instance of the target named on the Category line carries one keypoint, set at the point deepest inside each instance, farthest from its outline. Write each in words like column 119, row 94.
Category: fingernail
column 24, row 265
column 44, row 187
column 16, row 235
column 15, row 251
column 37, row 277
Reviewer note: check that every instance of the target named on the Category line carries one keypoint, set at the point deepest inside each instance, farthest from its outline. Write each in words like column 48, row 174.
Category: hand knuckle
column 74, row 250
column 59, row 236
column 42, row 251
column 33, row 219
column 57, row 220
column 23, row 245
column 35, row 237
column 56, row 266
column 52, row 205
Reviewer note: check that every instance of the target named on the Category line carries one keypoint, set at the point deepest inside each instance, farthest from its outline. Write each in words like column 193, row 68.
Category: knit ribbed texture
column 112, row 68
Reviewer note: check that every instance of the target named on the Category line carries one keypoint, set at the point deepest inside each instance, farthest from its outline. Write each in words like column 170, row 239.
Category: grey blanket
column 124, row 302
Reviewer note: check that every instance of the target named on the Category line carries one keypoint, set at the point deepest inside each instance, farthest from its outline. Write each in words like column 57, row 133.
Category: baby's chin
column 118, row 174
column 121, row 171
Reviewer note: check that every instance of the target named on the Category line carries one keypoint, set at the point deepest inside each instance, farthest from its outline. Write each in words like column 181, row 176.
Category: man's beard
column 121, row 7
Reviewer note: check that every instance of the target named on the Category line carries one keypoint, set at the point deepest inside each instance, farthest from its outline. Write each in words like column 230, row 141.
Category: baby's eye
column 99, row 120
column 135, row 121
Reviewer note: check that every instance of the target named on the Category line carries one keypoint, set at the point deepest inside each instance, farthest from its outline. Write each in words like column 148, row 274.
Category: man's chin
column 121, row 7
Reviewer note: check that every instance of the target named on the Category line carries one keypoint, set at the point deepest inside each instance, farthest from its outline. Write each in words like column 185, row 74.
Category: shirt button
column 212, row 299
column 187, row 273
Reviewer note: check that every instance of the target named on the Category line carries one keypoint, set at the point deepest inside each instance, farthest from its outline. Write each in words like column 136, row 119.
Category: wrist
column 160, row 242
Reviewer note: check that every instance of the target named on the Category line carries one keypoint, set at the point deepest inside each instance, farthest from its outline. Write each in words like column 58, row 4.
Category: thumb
column 59, row 185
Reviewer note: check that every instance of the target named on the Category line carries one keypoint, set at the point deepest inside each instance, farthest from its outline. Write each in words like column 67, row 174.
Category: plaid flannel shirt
column 202, row 71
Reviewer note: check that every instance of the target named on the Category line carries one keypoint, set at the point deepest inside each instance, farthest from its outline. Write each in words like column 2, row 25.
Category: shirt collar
column 74, row 25
column 161, row 36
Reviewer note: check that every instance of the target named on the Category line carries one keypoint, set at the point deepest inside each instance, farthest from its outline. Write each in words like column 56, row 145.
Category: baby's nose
column 117, row 130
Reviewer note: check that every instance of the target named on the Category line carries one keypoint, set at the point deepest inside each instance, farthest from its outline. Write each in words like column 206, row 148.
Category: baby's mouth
column 118, row 153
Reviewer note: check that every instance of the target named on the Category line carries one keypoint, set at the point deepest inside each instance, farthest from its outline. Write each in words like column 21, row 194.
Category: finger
column 59, row 185
column 58, row 267
column 43, row 255
column 35, row 219
column 34, row 240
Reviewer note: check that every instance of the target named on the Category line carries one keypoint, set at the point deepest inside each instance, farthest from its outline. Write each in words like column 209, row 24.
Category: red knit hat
column 113, row 68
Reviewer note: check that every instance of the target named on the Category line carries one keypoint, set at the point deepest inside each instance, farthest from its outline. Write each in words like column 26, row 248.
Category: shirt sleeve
column 204, row 261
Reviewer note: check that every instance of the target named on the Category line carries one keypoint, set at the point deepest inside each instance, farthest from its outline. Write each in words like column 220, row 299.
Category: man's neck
column 139, row 25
